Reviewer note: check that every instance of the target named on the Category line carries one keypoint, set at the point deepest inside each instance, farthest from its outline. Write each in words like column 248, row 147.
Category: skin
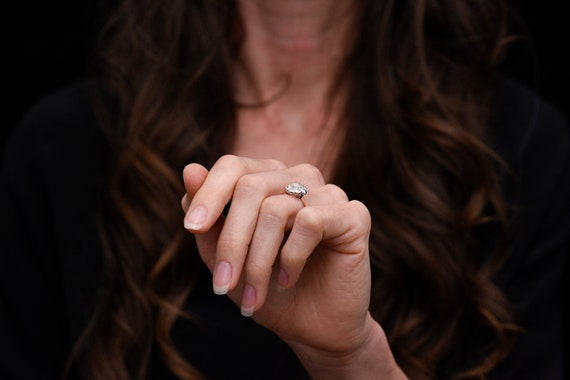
column 296, row 46
column 302, row 272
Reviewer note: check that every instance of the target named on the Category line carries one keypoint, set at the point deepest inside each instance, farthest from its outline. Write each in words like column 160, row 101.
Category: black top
column 50, row 259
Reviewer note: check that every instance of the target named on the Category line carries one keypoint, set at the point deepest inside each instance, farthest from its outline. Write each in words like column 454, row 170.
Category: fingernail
column 282, row 280
column 195, row 219
column 222, row 277
column 248, row 301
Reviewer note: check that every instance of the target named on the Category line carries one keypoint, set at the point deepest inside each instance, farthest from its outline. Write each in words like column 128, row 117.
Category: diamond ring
column 297, row 190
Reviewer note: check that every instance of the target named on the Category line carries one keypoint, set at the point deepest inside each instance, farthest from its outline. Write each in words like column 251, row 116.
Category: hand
column 302, row 272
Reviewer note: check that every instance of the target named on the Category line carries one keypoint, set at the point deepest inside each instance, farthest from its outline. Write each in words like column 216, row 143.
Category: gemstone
column 296, row 189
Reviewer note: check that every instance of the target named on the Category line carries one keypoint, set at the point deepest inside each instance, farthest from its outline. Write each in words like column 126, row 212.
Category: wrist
column 371, row 358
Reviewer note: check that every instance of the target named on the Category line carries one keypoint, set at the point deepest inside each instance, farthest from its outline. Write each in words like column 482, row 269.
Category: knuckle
column 293, row 260
column 230, row 161
column 361, row 212
column 336, row 192
column 309, row 221
column 272, row 209
column 312, row 172
column 228, row 245
column 276, row 164
column 249, row 184
column 256, row 269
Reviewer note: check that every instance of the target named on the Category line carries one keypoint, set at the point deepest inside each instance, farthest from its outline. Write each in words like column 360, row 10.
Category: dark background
column 49, row 44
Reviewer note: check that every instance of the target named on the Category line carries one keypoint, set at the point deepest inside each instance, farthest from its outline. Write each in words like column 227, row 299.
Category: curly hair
column 415, row 151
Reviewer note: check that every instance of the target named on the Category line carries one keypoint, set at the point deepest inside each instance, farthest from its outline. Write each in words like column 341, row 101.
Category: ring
column 297, row 190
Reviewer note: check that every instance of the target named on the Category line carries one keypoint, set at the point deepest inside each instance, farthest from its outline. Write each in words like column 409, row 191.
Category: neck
column 292, row 49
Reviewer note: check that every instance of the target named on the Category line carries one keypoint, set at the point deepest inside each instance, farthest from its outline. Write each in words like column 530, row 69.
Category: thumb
column 194, row 176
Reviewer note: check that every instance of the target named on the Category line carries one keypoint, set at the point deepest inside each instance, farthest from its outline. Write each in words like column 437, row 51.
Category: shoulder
column 59, row 134
column 52, row 180
column 57, row 118
column 526, row 128
column 533, row 137
column 67, row 102
column 56, row 162
column 49, row 190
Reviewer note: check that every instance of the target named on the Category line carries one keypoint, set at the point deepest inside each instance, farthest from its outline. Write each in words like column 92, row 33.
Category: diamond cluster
column 296, row 189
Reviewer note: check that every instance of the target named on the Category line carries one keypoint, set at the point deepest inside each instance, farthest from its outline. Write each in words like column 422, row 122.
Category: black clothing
column 50, row 260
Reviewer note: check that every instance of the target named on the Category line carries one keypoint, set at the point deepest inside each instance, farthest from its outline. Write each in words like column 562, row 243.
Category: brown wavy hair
column 416, row 154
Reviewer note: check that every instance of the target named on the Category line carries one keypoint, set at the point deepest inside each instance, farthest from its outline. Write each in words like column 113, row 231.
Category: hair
column 418, row 80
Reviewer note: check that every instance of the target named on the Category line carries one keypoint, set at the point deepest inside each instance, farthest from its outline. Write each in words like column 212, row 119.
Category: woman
column 429, row 244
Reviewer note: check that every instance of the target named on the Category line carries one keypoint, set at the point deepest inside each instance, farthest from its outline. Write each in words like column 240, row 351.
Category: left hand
column 302, row 272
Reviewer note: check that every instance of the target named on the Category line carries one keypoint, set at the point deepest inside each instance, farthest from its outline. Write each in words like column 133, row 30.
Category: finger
column 250, row 192
column 210, row 199
column 194, row 176
column 326, row 195
column 207, row 244
column 268, row 225
column 275, row 217
column 185, row 203
column 344, row 229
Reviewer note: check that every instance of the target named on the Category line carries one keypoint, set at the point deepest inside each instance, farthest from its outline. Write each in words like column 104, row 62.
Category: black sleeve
column 47, row 266
column 533, row 277
column 32, row 330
